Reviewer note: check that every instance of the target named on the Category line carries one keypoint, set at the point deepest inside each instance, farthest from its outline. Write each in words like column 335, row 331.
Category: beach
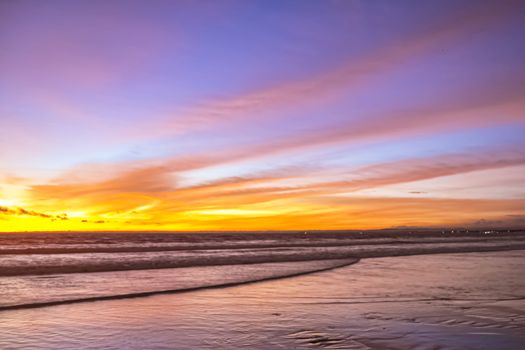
column 428, row 301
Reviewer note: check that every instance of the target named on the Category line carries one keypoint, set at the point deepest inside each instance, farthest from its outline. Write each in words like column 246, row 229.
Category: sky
column 261, row 115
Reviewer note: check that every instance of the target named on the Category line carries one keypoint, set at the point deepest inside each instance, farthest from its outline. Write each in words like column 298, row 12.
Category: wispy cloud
column 410, row 170
column 348, row 77
column 146, row 196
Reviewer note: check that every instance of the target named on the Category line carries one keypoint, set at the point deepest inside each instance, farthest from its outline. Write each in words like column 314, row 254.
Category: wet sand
column 444, row 301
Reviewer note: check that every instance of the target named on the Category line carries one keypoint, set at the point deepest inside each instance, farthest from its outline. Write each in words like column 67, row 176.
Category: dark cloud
column 25, row 212
column 93, row 222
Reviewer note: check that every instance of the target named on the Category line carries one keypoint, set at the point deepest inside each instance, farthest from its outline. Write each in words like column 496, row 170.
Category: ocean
column 291, row 290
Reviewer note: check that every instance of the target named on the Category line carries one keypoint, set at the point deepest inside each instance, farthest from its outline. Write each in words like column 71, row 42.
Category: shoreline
column 348, row 261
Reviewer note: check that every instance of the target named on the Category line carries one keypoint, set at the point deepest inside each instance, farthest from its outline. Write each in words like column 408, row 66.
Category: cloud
column 273, row 201
column 143, row 180
column 135, row 197
column 21, row 212
column 486, row 106
column 159, row 179
column 417, row 169
column 348, row 77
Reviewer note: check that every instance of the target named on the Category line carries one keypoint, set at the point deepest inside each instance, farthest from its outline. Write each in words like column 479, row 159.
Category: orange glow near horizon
column 230, row 205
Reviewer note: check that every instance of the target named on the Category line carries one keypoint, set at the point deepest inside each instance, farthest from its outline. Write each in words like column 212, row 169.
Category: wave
column 43, row 264
column 27, row 291
column 53, row 248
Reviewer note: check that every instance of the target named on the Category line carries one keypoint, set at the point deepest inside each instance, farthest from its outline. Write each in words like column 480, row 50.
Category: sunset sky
column 261, row 115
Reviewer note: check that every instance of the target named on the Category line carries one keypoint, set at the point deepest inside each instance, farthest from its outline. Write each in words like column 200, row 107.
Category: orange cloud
column 149, row 199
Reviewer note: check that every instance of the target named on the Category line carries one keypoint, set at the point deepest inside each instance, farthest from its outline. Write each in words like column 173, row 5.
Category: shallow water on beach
column 79, row 266
column 36, row 290
column 446, row 301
